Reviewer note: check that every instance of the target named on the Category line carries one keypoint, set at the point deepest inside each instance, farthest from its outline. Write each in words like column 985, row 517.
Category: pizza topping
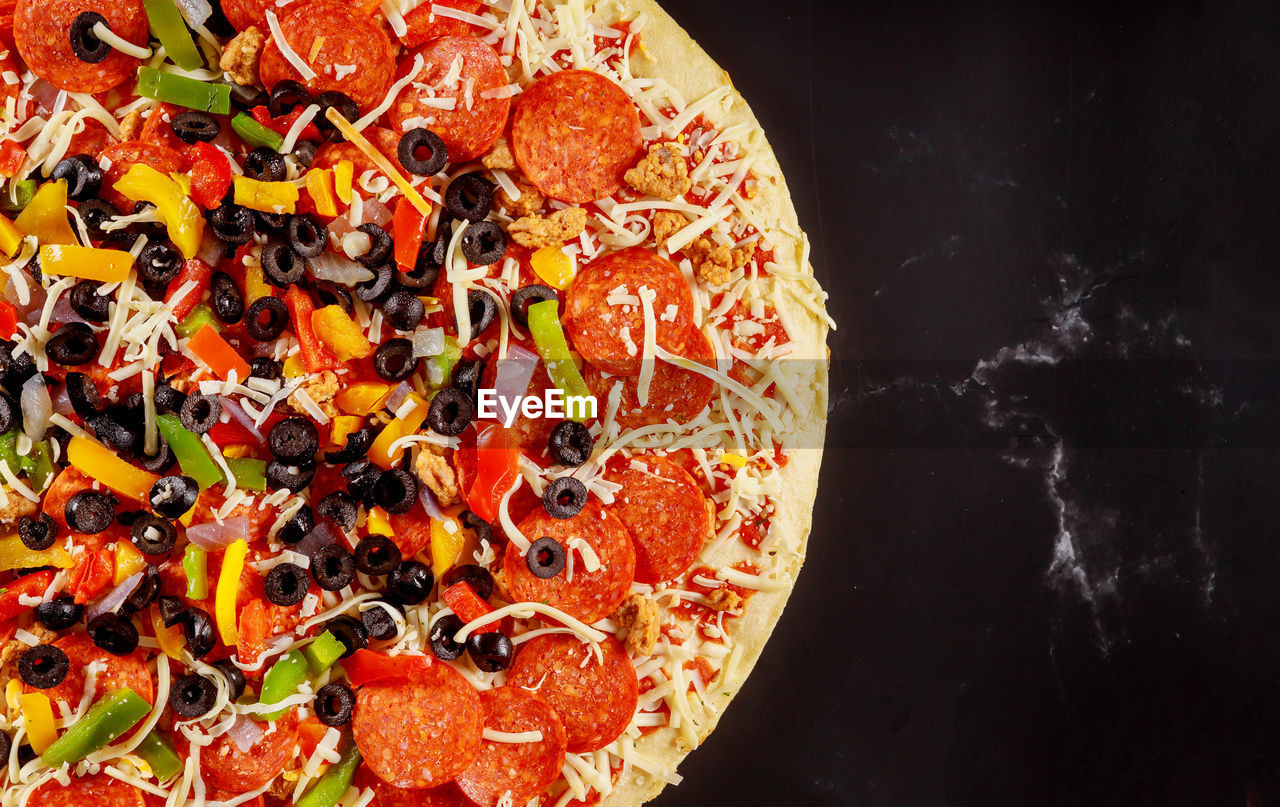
column 535, row 231
column 437, row 473
column 241, row 55
column 663, row 173
column 641, row 622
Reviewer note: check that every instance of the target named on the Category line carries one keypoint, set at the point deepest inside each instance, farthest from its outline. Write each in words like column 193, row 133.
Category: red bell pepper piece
column 210, row 175
column 33, row 585
column 409, row 227
column 463, row 600
column 91, row 575
column 496, row 458
column 194, row 269
column 12, row 155
column 220, row 357
column 310, row 732
column 8, row 319
column 252, row 628
column 365, row 667
column 315, row 355
column 284, row 123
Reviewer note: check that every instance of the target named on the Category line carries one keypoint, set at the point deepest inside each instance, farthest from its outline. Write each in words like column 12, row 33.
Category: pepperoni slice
column 424, row 24
column 117, row 672
column 120, row 157
column 41, row 31
column 99, row 790
column 7, row 90
column 611, row 337
column 590, row 595
column 243, row 13
column 225, row 766
column 335, row 39
column 574, row 134
column 522, row 769
column 664, row 511
column 446, row 721
column 595, row 700
column 475, row 122
column 384, row 140
column 675, row 394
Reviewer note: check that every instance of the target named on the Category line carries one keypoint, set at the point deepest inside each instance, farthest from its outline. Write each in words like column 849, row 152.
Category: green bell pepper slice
column 158, row 752
column 448, row 359
column 199, row 317
column 189, row 92
column 38, row 465
column 281, row 681
column 195, row 563
column 331, row 787
column 191, row 452
column 171, row 29
column 249, row 473
column 9, row 450
column 18, row 195
column 548, row 338
column 323, row 652
column 109, row 718
column 254, row 133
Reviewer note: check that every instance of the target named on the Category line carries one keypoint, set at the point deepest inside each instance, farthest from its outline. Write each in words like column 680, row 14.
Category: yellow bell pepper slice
column 103, row 265
column 294, row 366
column 447, row 540
column 184, row 182
column 102, row 464
column 268, row 197
column 320, row 189
column 15, row 555
column 37, row 716
column 180, row 215
column 255, row 284
column 343, row 178
column 377, row 158
column 553, row 266
column 237, row 451
column 340, row 333
column 362, row 398
column 45, row 216
column 10, row 237
column 377, row 522
column 129, row 561
column 169, row 639
column 735, row 460
column 379, row 452
column 342, row 426
column 224, row 602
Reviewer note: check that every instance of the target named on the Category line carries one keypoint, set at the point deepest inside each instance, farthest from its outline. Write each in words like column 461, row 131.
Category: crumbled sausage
column 321, row 388
column 716, row 262
column 438, row 475
column 667, row 223
column 663, row 173
column 530, row 201
column 131, row 126
column 500, row 157
column 638, row 616
column 14, row 647
column 240, row 58
column 281, row 788
column 17, row 507
column 535, row 231
column 724, row 599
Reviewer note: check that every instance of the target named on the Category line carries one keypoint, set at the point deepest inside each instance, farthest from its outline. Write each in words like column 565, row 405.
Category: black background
column 1045, row 557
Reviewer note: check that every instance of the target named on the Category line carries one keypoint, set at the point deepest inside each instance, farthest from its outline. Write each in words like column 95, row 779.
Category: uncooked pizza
column 404, row 403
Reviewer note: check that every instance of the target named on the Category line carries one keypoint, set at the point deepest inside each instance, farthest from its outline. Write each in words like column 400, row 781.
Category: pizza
column 400, row 402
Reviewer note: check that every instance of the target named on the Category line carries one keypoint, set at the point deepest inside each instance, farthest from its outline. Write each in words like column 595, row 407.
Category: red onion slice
column 37, row 407
column 429, row 503
column 242, row 417
column 323, row 534
column 212, row 536
column 245, row 733
column 513, row 374
column 114, row 597
column 397, row 396
column 374, row 212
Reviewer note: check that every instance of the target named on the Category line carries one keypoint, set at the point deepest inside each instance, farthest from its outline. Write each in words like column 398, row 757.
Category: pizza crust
column 668, row 52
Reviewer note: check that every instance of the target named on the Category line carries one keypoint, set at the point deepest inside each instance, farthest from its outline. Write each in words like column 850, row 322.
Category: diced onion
column 339, row 269
column 242, row 417
column 324, row 534
column 513, row 374
column 196, row 12
column 397, row 396
column 245, row 733
column 428, row 342
column 37, row 407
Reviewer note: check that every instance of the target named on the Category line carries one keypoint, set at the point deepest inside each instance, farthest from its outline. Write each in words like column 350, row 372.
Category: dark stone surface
column 1044, row 566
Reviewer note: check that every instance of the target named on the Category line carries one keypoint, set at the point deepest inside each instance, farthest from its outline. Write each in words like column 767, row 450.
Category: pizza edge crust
column 670, row 53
